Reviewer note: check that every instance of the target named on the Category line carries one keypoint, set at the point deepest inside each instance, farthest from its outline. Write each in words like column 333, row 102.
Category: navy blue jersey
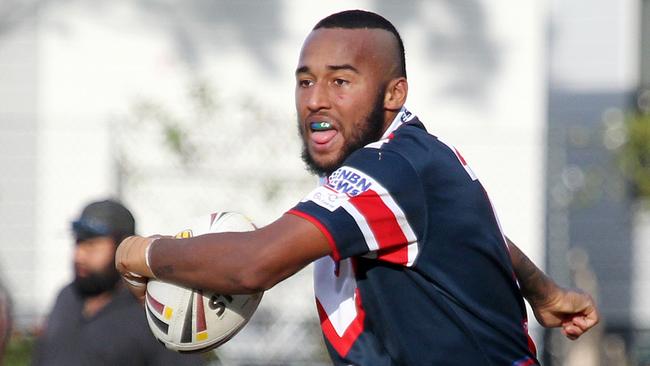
column 420, row 273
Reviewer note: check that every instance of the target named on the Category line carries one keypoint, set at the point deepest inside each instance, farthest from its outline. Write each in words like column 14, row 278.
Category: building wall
column 593, row 76
column 18, row 155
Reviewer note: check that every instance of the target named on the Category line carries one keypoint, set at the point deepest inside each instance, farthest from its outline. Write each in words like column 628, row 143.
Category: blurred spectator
column 95, row 320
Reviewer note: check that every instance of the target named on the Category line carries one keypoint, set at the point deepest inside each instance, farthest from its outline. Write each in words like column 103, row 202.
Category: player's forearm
column 535, row 286
column 208, row 261
column 236, row 263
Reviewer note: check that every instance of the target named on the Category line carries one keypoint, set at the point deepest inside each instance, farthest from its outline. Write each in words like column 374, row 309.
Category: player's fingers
column 124, row 254
column 135, row 280
column 576, row 326
column 131, row 255
column 592, row 317
column 584, row 322
column 582, row 304
column 579, row 321
column 584, row 314
column 572, row 332
column 137, row 285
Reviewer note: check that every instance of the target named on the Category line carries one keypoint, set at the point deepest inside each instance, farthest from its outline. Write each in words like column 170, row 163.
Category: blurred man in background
column 95, row 321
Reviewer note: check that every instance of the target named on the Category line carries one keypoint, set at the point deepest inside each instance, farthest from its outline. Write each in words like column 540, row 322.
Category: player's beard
column 371, row 131
column 97, row 282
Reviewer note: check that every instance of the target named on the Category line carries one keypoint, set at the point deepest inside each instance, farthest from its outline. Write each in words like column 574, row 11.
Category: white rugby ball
column 192, row 320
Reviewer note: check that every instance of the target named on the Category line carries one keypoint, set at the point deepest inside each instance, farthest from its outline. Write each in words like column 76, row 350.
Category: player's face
column 340, row 85
column 94, row 265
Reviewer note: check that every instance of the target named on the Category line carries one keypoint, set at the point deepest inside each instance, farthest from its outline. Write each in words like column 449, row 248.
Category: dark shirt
column 117, row 335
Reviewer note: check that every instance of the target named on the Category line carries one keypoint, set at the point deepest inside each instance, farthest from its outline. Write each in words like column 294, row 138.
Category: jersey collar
column 402, row 117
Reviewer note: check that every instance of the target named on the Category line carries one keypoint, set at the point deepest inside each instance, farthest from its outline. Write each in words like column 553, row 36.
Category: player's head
column 98, row 231
column 361, row 19
column 350, row 83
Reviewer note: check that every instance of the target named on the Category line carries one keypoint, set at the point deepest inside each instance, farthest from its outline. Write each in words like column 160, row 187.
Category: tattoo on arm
column 533, row 282
column 165, row 270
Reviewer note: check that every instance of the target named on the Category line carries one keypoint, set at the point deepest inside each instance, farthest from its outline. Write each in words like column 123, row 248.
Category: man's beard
column 369, row 132
column 97, row 282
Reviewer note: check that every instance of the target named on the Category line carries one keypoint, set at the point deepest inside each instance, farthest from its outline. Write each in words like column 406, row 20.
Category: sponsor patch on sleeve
column 339, row 187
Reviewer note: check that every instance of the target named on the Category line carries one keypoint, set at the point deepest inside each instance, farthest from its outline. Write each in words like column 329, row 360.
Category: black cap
column 104, row 218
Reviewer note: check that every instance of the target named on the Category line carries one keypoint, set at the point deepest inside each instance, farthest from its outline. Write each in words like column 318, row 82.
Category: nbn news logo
column 349, row 181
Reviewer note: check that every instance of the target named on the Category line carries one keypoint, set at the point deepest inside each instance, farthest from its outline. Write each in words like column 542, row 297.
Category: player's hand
column 137, row 285
column 132, row 263
column 571, row 309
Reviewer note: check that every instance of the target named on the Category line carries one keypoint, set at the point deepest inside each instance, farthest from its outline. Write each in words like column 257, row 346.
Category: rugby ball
column 193, row 320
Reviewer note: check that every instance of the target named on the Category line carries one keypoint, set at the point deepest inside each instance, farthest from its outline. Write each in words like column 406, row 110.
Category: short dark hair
column 359, row 19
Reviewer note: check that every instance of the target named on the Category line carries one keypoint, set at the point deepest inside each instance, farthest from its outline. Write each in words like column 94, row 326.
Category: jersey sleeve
column 372, row 206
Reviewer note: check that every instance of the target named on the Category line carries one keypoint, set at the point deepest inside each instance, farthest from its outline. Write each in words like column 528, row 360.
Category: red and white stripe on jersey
column 460, row 158
column 390, row 234
column 338, row 302
column 384, row 226
column 380, row 219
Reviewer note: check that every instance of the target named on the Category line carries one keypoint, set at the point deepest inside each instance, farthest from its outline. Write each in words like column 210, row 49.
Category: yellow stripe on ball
column 185, row 234
column 168, row 313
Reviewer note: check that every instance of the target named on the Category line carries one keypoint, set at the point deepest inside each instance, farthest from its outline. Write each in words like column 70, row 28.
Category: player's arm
column 554, row 306
column 241, row 262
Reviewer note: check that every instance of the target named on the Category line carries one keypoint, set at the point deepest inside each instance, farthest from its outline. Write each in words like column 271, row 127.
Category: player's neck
column 389, row 117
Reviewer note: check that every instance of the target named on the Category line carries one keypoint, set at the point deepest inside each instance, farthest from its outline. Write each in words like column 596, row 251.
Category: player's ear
column 396, row 92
